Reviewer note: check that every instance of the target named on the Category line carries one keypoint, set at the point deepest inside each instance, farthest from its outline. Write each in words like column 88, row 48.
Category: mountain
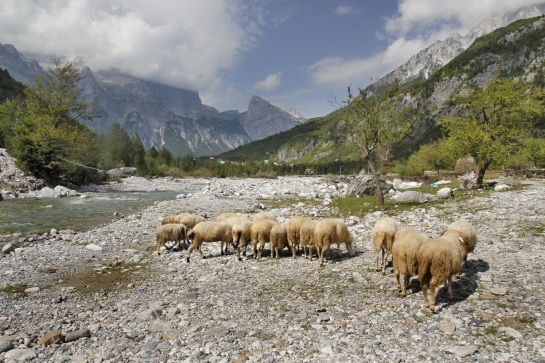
column 420, row 66
column 162, row 116
column 516, row 51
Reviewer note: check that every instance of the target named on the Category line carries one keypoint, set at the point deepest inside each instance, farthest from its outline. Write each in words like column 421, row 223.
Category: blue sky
column 293, row 53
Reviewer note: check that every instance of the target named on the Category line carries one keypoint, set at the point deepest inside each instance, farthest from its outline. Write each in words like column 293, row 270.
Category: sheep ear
column 461, row 240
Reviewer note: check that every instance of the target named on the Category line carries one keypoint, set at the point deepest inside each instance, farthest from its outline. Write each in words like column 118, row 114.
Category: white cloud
column 271, row 82
column 418, row 24
column 346, row 10
column 183, row 43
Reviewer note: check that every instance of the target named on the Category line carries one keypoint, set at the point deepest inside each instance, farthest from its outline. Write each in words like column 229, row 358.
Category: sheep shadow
column 463, row 287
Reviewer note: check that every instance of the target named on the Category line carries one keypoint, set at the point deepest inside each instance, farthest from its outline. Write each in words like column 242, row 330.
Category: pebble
column 220, row 309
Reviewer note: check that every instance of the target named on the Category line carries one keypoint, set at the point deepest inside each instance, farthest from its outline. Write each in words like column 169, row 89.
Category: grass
column 14, row 289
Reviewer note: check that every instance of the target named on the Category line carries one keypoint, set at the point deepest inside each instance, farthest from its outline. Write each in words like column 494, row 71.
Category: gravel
column 124, row 303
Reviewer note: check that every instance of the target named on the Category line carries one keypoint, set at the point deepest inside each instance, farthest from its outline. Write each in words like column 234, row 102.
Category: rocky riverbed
column 105, row 296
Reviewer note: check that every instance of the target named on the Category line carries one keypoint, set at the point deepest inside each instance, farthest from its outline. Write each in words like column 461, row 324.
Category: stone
column 94, row 247
column 53, row 337
column 445, row 193
column 5, row 345
column 47, row 193
column 448, row 327
column 463, row 351
column 77, row 334
column 32, row 290
column 20, row 355
column 511, row 332
column 9, row 248
column 499, row 291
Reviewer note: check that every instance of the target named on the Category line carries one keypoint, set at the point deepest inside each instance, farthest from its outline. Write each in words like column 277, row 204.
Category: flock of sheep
column 435, row 261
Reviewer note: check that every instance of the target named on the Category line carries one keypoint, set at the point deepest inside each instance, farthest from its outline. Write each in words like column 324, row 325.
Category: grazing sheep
column 278, row 239
column 293, row 230
column 260, row 231
column 468, row 234
column 306, row 239
column 407, row 242
column 329, row 231
column 263, row 215
column 229, row 215
column 382, row 239
column 169, row 232
column 189, row 220
column 240, row 230
column 209, row 231
column 438, row 261
column 168, row 220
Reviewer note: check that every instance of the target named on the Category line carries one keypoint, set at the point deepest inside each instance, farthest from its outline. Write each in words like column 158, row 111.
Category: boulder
column 65, row 192
column 364, row 184
column 413, row 196
column 445, row 193
column 47, row 192
column 9, row 248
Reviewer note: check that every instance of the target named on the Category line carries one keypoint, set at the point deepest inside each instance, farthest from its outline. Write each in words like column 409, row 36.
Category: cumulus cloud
column 183, row 43
column 346, row 10
column 417, row 24
column 271, row 82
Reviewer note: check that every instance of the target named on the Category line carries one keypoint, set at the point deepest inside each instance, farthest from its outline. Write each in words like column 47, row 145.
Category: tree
column 534, row 151
column 117, row 148
column 46, row 136
column 437, row 156
column 493, row 123
column 139, row 154
column 374, row 121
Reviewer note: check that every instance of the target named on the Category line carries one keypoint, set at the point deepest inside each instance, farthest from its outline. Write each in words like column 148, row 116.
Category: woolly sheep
column 263, row 215
column 468, row 234
column 240, row 231
column 260, row 231
column 438, row 261
column 169, row 232
column 209, row 231
column 306, row 239
column 404, row 251
column 168, row 220
column 329, row 231
column 293, row 230
column 278, row 239
column 229, row 215
column 189, row 220
column 382, row 238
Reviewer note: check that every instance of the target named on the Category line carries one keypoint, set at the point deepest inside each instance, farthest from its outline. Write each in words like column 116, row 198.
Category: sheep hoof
column 244, row 253
column 240, row 258
column 223, row 254
column 187, row 260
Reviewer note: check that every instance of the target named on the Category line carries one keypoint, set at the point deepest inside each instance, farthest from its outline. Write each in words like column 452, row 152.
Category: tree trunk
column 378, row 189
column 481, row 172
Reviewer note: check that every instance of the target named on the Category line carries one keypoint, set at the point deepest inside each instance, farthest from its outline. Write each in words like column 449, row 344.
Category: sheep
column 293, row 228
column 468, row 234
column 306, row 234
column 260, row 231
column 438, row 261
column 329, row 231
column 228, row 215
column 382, row 238
column 263, row 215
column 168, row 220
column 240, row 230
column 278, row 239
column 189, row 220
column 169, row 232
column 209, row 231
column 404, row 251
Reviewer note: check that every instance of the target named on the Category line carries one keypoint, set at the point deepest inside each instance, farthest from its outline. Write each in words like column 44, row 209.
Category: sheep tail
column 424, row 267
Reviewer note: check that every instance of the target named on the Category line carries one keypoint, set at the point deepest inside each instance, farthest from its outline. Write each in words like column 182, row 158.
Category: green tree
column 534, row 151
column 139, row 154
column 437, row 156
column 493, row 123
column 374, row 121
column 117, row 148
column 46, row 136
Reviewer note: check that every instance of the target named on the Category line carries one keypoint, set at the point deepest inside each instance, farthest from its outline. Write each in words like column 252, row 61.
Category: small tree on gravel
column 374, row 120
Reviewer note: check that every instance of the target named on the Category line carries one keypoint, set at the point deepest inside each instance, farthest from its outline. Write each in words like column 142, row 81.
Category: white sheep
column 306, row 237
column 260, row 231
column 209, row 231
column 404, row 252
column 263, row 215
column 278, row 239
column 382, row 238
column 293, row 230
column 329, row 231
column 438, row 261
column 169, row 232
column 228, row 215
column 468, row 234
column 240, row 230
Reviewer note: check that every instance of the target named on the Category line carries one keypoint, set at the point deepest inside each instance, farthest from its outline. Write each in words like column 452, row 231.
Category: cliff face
column 162, row 116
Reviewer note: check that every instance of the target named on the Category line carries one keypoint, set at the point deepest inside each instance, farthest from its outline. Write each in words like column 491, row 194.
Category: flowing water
column 40, row 215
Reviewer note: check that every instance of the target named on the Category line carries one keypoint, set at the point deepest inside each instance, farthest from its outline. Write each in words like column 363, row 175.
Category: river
column 40, row 215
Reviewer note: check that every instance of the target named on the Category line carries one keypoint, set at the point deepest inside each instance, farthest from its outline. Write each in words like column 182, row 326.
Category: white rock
column 94, row 247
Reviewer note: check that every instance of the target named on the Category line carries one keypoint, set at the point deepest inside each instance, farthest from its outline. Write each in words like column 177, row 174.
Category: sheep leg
column 377, row 255
column 448, row 284
column 191, row 248
column 433, row 285
column 406, row 281
column 293, row 250
column 254, row 245
column 310, row 248
column 425, row 293
column 384, row 259
column 323, row 255
column 398, row 283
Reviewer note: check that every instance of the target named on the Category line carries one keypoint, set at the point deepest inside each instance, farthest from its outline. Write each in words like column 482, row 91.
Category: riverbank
column 108, row 291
